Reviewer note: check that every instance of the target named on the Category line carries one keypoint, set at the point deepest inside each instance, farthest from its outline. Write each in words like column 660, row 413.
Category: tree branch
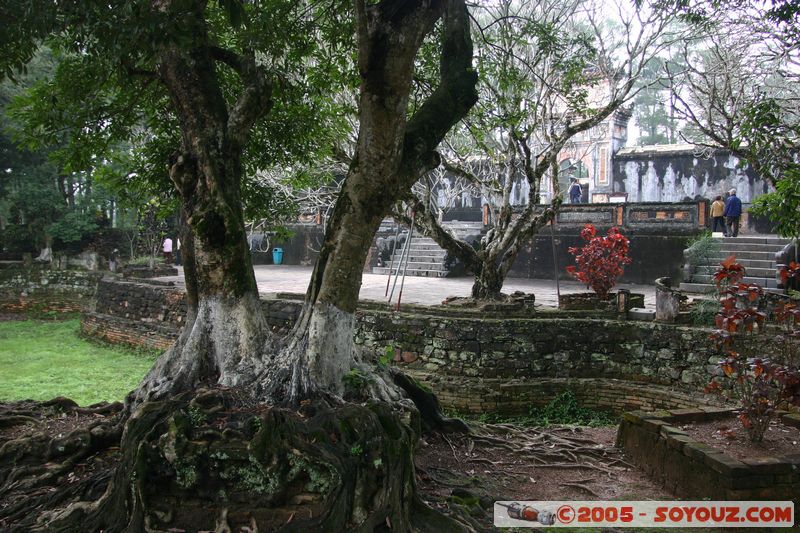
column 254, row 102
column 452, row 99
column 427, row 222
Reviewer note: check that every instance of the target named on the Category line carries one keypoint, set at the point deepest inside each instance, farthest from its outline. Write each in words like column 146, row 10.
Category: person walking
column 717, row 208
column 575, row 191
column 733, row 210
column 167, row 248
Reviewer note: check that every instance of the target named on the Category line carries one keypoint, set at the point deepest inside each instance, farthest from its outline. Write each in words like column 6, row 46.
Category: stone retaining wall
column 474, row 363
column 39, row 289
column 516, row 396
column 150, row 314
column 484, row 347
column 691, row 469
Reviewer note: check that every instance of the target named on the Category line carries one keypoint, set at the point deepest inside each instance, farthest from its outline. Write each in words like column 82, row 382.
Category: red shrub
column 600, row 262
column 760, row 385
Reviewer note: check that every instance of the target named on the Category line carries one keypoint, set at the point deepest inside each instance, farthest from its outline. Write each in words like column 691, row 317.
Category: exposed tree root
column 554, row 448
column 213, row 460
column 32, row 465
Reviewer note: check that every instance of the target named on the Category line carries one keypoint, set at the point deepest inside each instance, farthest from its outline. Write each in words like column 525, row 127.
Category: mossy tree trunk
column 392, row 152
column 225, row 334
column 218, row 458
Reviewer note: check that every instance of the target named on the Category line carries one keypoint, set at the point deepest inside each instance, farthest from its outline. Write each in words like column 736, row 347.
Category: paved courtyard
column 426, row 291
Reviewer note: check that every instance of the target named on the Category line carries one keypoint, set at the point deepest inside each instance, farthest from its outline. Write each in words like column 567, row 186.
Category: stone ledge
column 478, row 395
column 691, row 469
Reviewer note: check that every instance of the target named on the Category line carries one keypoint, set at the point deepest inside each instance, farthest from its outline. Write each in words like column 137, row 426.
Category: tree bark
column 392, row 152
column 341, row 466
column 226, row 333
column 488, row 283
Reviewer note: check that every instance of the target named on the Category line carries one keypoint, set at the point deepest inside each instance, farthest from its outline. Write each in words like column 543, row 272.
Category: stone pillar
column 667, row 301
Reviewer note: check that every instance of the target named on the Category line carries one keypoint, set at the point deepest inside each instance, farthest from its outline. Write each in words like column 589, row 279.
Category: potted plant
column 599, row 263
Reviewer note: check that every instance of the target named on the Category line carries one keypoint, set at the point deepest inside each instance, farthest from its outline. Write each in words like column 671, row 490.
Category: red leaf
column 727, row 263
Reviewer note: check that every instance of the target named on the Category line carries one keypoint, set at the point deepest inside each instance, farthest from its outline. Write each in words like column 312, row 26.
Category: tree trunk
column 488, row 282
column 215, row 457
column 392, row 152
column 226, row 333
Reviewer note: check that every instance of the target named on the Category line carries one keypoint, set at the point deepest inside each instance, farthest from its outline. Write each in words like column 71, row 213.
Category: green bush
column 703, row 312
column 144, row 260
column 17, row 239
column 701, row 249
column 563, row 409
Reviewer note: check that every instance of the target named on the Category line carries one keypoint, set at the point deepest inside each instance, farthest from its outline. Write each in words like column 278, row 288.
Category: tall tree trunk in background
column 392, row 152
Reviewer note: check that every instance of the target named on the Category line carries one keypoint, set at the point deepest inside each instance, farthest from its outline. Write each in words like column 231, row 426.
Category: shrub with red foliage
column 760, row 385
column 601, row 261
column 790, row 275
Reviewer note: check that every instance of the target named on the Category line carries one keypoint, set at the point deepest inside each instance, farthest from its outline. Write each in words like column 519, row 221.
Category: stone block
column 689, row 415
column 653, row 425
column 726, row 465
column 791, row 419
column 697, row 450
column 676, row 442
column 768, row 465
column 634, row 417
column 667, row 431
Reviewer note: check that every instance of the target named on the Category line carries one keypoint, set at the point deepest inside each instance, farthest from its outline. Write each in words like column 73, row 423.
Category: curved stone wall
column 473, row 362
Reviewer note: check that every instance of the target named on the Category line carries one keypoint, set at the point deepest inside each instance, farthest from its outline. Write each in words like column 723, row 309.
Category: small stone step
column 413, row 272
column 428, row 247
column 763, row 281
column 708, row 289
column 639, row 313
column 421, row 258
column 697, row 288
column 734, row 247
column 753, row 272
column 756, row 240
column 747, row 263
column 740, row 254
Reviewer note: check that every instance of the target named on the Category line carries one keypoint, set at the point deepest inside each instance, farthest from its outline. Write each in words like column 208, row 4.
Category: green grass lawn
column 41, row 360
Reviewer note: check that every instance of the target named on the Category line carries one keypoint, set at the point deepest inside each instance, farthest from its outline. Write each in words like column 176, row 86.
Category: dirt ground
column 503, row 462
column 456, row 473
column 730, row 437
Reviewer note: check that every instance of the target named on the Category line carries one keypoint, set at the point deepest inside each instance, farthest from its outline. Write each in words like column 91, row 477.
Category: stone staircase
column 425, row 257
column 755, row 254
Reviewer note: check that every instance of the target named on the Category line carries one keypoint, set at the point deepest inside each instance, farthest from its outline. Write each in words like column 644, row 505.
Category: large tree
column 550, row 72
column 234, row 81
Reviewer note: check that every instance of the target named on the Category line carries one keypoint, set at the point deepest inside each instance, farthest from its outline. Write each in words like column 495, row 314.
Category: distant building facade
column 680, row 172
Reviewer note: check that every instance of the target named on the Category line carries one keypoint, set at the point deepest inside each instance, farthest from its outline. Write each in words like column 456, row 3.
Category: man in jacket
column 733, row 210
column 575, row 191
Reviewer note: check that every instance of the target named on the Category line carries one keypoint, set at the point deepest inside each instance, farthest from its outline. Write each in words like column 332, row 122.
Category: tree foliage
column 551, row 74
column 104, row 108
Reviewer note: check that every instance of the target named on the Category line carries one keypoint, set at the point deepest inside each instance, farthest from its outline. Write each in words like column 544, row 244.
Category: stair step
column 420, row 265
column 762, row 281
column 697, row 288
column 424, row 258
column 413, row 272
column 430, row 247
column 707, row 288
column 748, row 247
column 756, row 240
column 754, row 272
column 747, row 263
column 762, row 256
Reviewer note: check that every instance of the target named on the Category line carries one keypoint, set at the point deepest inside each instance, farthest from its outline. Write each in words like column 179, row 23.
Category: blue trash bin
column 277, row 256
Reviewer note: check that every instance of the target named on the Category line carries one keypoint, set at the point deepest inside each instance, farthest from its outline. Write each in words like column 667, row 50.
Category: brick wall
column 40, row 289
column 691, row 469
